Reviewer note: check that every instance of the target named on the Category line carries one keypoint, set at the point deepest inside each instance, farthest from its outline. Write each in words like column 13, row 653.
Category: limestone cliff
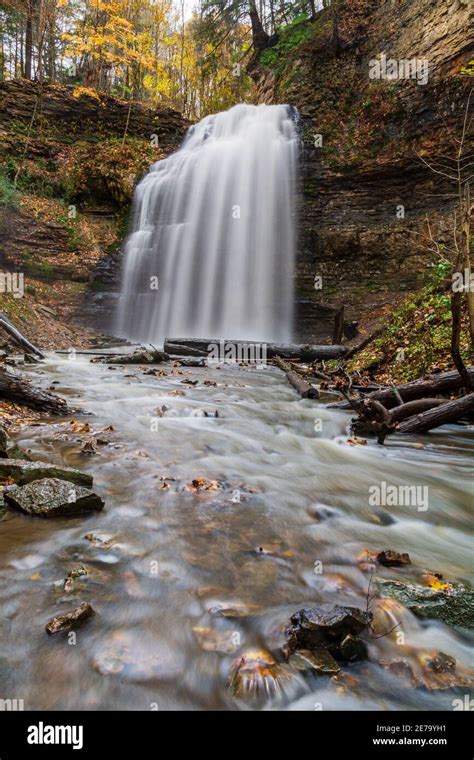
column 373, row 134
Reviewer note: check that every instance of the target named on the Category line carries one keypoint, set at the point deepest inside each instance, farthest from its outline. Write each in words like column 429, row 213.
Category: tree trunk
column 22, row 392
column 202, row 347
column 445, row 382
column 28, row 41
column 18, row 337
column 305, row 389
column 456, row 313
column 259, row 36
column 452, row 411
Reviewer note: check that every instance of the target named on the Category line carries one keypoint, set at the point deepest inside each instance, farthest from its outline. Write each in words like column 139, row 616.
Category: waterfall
column 213, row 243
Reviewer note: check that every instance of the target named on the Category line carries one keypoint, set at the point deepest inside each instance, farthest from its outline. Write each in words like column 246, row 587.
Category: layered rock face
column 365, row 194
column 75, row 114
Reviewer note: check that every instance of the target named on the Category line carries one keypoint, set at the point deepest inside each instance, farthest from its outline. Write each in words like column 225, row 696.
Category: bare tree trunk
column 28, row 41
column 456, row 313
column 259, row 36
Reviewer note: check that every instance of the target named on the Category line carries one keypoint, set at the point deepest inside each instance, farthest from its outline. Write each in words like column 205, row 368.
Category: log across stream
column 211, row 536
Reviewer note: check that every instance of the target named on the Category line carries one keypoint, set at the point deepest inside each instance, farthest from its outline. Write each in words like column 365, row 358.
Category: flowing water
column 212, row 248
column 175, row 560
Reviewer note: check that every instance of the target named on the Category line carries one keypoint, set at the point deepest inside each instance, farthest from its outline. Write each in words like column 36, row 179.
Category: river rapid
column 185, row 579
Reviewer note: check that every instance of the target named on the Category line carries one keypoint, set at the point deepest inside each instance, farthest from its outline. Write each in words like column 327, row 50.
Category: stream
column 185, row 579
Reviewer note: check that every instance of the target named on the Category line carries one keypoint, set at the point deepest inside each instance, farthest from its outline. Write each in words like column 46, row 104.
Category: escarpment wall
column 365, row 194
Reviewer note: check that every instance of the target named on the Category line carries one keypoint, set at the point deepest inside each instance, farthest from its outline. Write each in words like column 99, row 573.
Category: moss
column 290, row 37
column 9, row 196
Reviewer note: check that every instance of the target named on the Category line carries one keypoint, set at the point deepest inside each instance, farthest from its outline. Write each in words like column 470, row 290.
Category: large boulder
column 26, row 472
column 452, row 603
column 50, row 497
column 325, row 626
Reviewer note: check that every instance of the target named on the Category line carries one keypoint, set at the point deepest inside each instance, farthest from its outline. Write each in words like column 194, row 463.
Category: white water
column 214, row 223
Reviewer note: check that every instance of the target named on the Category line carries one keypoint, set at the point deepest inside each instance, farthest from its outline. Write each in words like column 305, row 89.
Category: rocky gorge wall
column 363, row 144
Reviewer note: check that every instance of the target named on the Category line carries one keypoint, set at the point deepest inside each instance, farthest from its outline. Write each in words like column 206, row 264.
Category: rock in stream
column 50, row 497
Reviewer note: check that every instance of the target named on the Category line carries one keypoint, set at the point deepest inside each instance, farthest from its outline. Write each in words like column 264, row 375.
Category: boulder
column 325, row 626
column 50, row 497
column 452, row 604
column 26, row 472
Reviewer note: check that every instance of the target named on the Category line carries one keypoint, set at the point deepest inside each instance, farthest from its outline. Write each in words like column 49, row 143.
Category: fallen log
column 18, row 337
column 451, row 411
column 137, row 357
column 375, row 419
column 411, row 408
column 22, row 392
column 297, row 381
column 203, row 346
column 442, row 383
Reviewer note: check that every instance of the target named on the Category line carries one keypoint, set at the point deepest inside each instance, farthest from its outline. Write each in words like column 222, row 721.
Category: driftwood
column 451, row 411
column 18, row 337
column 22, row 392
column 299, row 383
column 200, row 347
column 442, row 383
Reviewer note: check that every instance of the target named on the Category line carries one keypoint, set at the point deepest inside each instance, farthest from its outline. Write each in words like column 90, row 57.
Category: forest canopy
column 189, row 54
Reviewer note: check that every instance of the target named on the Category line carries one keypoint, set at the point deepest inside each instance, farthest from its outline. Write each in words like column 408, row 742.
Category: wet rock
column 231, row 609
column 390, row 558
column 6, row 443
column 442, row 663
column 100, row 542
column 70, row 620
column 451, row 603
column 256, row 674
column 136, row 659
column 211, row 640
column 321, row 512
column 432, row 671
column 402, row 670
column 325, row 626
column 26, row 472
column 352, row 649
column 316, row 661
column 68, row 584
column 50, row 497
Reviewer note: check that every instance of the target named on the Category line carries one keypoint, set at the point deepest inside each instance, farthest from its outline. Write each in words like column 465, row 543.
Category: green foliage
column 468, row 69
column 290, row 37
column 9, row 195
column 419, row 329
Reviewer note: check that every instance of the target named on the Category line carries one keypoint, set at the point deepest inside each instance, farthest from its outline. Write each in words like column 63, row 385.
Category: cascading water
column 212, row 251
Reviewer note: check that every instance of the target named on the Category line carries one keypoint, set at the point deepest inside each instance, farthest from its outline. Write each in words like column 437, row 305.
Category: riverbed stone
column 50, row 497
column 26, row 472
column 316, row 661
column 453, row 605
column 390, row 558
column 325, row 626
column 69, row 620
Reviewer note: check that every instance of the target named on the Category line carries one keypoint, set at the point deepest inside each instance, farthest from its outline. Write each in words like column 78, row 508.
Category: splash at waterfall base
column 213, row 224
